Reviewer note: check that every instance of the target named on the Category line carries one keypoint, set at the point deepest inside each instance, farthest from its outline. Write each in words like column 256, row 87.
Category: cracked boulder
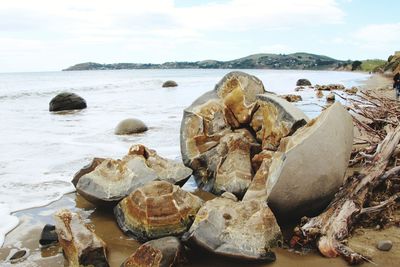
column 245, row 229
column 81, row 246
column 224, row 129
column 164, row 252
column 107, row 181
column 156, row 210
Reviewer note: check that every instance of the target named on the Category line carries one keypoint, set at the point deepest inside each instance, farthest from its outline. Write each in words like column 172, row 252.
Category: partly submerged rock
column 169, row 83
column 303, row 82
column 156, row 210
column 111, row 180
column 48, row 236
column 223, row 129
column 67, row 101
column 292, row 98
column 81, row 246
column 130, row 126
column 310, row 166
column 163, row 252
column 245, row 230
column 330, row 98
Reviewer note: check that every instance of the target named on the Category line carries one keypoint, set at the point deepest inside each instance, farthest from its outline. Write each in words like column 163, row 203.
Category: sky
column 49, row 35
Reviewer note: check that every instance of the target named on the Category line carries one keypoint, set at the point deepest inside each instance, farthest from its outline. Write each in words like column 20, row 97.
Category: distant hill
column 391, row 66
column 302, row 61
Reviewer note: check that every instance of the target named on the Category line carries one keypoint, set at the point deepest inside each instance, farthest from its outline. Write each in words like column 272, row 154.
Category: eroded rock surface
column 163, row 252
column 106, row 181
column 244, row 229
column 81, row 246
column 225, row 128
column 156, row 210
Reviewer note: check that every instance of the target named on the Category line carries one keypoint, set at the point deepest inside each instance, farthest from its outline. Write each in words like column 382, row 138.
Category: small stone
column 18, row 256
column 384, row 245
column 169, row 84
column 48, row 236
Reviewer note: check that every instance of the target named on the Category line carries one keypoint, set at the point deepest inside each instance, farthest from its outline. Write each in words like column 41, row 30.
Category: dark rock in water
column 49, row 236
column 303, row 82
column 130, row 126
column 330, row 87
column 163, row 252
column 67, row 101
column 87, row 169
column 245, row 230
column 18, row 256
column 111, row 180
column 169, row 84
column 384, row 245
column 80, row 244
column 156, row 210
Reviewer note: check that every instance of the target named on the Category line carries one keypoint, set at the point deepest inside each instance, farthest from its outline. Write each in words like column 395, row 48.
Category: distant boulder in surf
column 130, row 126
column 303, row 82
column 67, row 101
column 169, row 84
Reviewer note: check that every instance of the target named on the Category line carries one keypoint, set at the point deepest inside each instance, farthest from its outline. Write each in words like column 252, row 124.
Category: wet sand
column 26, row 235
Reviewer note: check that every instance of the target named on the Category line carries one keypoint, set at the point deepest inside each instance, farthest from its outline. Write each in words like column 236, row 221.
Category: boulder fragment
column 48, row 236
column 245, row 229
column 156, row 210
column 111, row 180
column 81, row 246
column 310, row 167
column 164, row 252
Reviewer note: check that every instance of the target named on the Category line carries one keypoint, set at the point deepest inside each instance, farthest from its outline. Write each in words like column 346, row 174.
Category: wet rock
column 80, row 244
column 246, row 230
column 169, row 84
column 319, row 94
column 292, row 98
column 163, row 252
column 310, row 166
column 111, row 180
column 303, row 82
column 330, row 98
column 48, row 236
column 223, row 129
column 156, row 210
column 130, row 126
column 18, row 256
column 86, row 169
column 384, row 245
column 330, row 87
column 351, row 91
column 67, row 101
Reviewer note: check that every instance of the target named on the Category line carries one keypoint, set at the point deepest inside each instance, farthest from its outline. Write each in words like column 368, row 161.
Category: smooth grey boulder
column 310, row 166
column 130, row 126
column 111, row 180
column 164, row 252
column 303, row 82
column 67, row 101
column 169, row 83
column 245, row 229
column 384, row 245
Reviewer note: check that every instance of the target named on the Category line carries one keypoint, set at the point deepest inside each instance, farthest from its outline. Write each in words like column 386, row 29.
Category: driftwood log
column 377, row 119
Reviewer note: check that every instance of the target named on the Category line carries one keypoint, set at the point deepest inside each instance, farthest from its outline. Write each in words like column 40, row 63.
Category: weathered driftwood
column 329, row 230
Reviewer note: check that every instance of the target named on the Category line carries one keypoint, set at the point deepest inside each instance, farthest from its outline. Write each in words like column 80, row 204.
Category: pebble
column 17, row 256
column 384, row 245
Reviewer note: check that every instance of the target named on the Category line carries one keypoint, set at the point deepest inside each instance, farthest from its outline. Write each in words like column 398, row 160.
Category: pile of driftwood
column 369, row 196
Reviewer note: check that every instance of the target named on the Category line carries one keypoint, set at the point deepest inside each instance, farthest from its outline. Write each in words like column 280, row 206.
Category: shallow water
column 40, row 151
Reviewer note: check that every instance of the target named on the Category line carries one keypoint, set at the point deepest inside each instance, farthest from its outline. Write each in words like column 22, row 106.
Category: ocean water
column 40, row 151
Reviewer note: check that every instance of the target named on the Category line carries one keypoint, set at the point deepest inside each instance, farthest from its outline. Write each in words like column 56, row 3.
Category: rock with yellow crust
column 156, row 210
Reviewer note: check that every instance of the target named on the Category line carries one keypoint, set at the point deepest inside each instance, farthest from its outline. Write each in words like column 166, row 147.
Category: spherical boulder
column 169, row 83
column 303, row 82
column 130, row 126
column 67, row 101
column 156, row 210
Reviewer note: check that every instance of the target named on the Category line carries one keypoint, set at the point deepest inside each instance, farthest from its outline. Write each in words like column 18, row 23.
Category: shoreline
column 26, row 234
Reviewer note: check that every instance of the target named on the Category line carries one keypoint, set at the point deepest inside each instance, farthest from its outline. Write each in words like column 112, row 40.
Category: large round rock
column 67, row 101
column 130, row 126
column 156, row 210
column 303, row 82
column 170, row 83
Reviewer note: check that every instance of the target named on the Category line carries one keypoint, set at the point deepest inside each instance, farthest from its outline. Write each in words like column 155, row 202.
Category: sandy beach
column 26, row 235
